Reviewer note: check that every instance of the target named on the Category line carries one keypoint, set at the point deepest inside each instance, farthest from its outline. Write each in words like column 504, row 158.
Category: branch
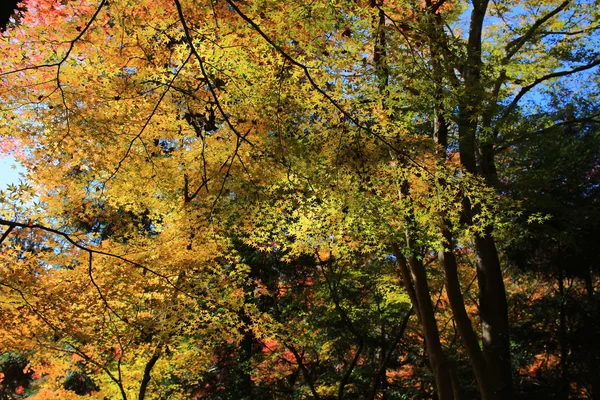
column 344, row 316
column 304, row 370
column 388, row 355
column 138, row 136
column 76, row 350
column 592, row 119
column 72, row 44
column 569, row 33
column 187, row 197
column 238, row 143
column 437, row 5
column 103, row 298
column 348, row 373
column 6, row 233
column 63, row 349
column 542, row 79
column 149, row 365
column 515, row 45
column 205, row 75
column 68, row 238
column 312, row 82
column 82, row 354
column 336, row 301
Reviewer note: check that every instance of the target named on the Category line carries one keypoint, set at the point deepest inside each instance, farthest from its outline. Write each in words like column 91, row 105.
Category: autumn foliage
column 285, row 200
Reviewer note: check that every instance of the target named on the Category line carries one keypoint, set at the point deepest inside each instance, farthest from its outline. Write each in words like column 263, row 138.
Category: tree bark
column 562, row 339
column 415, row 280
column 439, row 364
column 493, row 311
column 447, row 261
column 493, row 306
column 147, row 370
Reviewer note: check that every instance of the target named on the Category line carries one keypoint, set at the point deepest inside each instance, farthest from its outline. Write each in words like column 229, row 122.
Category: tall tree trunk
column 446, row 257
column 437, row 359
column 447, row 261
column 493, row 311
column 440, row 367
column 413, row 273
column 383, row 352
column 592, row 357
column 562, row 338
column 493, row 306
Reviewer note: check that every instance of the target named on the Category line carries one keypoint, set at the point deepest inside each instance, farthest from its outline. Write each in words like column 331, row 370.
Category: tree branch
column 6, row 233
column 592, row 119
column 147, row 122
column 511, row 107
column 388, row 355
column 205, row 75
column 68, row 238
column 515, row 45
column 304, row 370
column 71, row 45
column 148, row 369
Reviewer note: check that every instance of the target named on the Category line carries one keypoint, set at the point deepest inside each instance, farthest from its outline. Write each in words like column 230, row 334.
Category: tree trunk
column 147, row 370
column 447, row 261
column 439, row 364
column 414, row 272
column 562, row 339
column 493, row 311
column 492, row 295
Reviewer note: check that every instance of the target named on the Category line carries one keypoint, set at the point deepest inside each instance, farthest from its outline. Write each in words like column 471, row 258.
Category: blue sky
column 7, row 173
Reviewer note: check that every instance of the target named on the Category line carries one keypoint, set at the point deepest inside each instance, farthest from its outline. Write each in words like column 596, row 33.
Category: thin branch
column 388, row 355
column 305, row 372
column 72, row 44
column 238, row 143
column 593, row 119
column 511, row 107
column 138, row 136
column 89, row 359
column 205, row 75
column 515, row 45
column 6, row 233
column 436, row 6
column 56, row 329
column 80, row 246
column 187, row 197
column 346, row 377
column 103, row 298
column 346, row 319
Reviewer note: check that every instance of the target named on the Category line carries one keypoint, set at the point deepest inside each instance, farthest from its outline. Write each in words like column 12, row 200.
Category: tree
column 160, row 136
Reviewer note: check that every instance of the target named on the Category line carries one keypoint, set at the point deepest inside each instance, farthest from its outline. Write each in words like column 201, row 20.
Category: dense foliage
column 381, row 199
